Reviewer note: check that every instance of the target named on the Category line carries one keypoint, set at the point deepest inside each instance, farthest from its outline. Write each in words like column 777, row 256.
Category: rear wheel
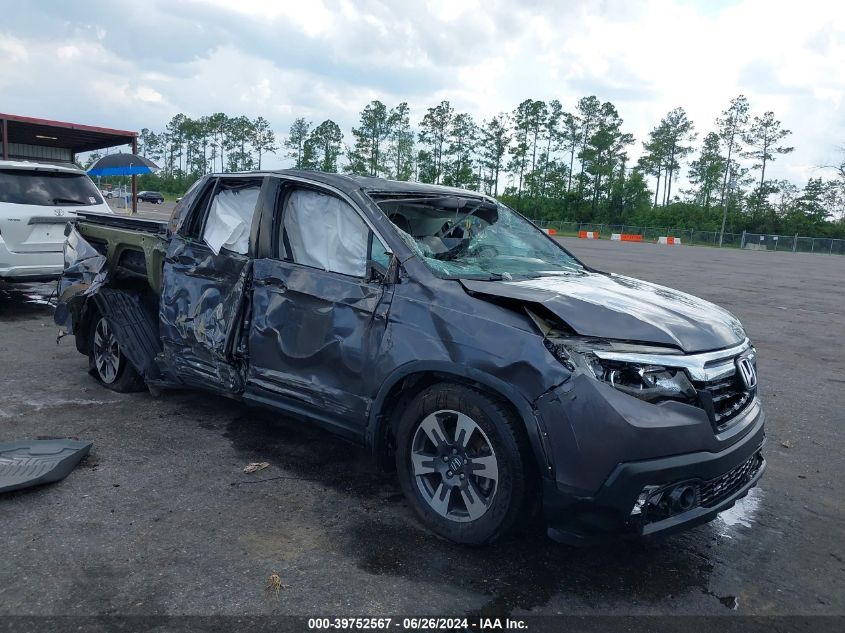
column 107, row 363
column 462, row 463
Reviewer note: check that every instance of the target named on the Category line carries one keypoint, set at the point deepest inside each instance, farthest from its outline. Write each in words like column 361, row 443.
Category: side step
column 34, row 462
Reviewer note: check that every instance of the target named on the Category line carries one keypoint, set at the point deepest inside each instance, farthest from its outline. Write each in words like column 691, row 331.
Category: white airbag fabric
column 325, row 232
column 230, row 219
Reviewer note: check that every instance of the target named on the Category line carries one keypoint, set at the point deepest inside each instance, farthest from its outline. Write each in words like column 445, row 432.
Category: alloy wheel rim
column 106, row 352
column 454, row 465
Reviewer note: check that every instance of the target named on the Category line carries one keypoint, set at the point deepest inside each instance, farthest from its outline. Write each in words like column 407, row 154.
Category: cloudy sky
column 133, row 65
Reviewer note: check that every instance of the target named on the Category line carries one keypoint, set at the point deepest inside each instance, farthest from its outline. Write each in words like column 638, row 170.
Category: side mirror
column 376, row 272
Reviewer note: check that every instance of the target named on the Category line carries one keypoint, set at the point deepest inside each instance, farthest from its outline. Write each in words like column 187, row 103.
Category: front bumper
column 718, row 479
column 603, row 448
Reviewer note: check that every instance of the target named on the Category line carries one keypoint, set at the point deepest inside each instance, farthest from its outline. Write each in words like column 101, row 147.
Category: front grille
column 713, row 491
column 723, row 399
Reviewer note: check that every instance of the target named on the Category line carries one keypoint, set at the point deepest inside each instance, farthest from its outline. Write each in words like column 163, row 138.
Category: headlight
column 636, row 377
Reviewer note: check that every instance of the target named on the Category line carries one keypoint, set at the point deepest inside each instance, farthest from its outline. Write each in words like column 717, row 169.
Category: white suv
column 35, row 202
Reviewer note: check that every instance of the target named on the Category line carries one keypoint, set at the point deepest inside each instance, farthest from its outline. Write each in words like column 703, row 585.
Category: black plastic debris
column 31, row 463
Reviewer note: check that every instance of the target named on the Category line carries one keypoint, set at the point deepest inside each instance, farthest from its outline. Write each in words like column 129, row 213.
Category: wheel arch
column 406, row 381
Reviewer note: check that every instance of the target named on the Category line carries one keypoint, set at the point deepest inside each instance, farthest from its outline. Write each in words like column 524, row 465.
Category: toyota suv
column 468, row 350
column 36, row 201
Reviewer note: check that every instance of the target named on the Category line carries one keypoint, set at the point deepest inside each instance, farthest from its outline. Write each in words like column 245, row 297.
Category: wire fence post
column 767, row 241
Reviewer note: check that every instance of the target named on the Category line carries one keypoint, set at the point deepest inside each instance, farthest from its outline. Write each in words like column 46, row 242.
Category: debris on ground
column 786, row 444
column 275, row 584
column 254, row 467
column 30, row 463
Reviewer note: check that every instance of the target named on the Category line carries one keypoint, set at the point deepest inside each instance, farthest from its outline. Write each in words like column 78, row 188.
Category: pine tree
column 323, row 147
column 263, row 138
column 588, row 111
column 605, row 149
column 495, row 139
column 217, row 123
column 731, row 125
column 763, row 138
column 706, row 171
column 654, row 153
column 462, row 141
column 678, row 130
column 553, row 138
column 367, row 154
column 295, row 142
column 400, row 138
column 434, row 129
column 521, row 149
column 569, row 138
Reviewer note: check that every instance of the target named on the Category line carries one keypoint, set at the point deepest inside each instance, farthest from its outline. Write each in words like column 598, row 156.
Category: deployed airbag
column 325, row 232
column 230, row 219
column 31, row 463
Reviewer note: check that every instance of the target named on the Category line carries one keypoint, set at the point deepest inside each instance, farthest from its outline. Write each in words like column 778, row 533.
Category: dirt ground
column 160, row 518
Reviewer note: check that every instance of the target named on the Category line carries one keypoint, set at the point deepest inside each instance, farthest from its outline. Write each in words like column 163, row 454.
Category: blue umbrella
column 122, row 165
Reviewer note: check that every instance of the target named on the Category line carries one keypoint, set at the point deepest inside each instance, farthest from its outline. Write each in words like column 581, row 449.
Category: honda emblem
column 747, row 372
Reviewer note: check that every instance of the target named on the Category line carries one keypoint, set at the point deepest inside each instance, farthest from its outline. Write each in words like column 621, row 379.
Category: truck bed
column 133, row 223
column 132, row 245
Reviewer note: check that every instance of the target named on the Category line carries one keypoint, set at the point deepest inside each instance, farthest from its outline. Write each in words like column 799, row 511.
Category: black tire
column 107, row 363
column 501, row 441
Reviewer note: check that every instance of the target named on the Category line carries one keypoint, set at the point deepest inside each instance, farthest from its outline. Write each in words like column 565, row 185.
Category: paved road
column 145, row 209
column 161, row 519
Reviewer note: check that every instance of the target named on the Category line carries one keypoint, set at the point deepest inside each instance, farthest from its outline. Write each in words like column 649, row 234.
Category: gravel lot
column 160, row 518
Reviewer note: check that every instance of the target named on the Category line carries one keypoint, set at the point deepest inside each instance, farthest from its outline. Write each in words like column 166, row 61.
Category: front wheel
column 107, row 363
column 463, row 463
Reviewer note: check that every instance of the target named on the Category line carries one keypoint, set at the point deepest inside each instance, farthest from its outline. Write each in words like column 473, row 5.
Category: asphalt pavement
column 161, row 519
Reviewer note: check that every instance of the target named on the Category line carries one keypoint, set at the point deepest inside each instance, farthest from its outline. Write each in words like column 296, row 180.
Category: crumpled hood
column 616, row 307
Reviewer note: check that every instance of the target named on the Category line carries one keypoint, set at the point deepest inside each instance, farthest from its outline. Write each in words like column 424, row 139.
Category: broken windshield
column 476, row 238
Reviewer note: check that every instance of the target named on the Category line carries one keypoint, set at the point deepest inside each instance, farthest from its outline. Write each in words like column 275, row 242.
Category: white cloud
column 12, row 50
column 312, row 16
column 69, row 52
column 322, row 59
column 147, row 94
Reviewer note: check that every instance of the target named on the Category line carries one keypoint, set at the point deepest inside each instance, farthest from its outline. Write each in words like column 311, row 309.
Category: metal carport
column 28, row 138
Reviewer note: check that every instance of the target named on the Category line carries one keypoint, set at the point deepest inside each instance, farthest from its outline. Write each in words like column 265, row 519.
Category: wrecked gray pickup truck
column 443, row 331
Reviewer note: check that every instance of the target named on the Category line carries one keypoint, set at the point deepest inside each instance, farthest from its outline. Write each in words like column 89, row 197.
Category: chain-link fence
column 751, row 241
column 794, row 243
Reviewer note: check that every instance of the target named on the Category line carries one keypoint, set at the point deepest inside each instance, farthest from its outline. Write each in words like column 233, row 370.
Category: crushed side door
column 206, row 274
column 319, row 318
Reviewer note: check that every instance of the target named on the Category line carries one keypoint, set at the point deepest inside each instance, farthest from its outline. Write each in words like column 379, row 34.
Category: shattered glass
column 500, row 246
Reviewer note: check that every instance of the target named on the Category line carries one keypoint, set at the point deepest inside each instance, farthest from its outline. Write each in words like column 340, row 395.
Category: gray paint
column 616, row 307
column 335, row 348
column 30, row 463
